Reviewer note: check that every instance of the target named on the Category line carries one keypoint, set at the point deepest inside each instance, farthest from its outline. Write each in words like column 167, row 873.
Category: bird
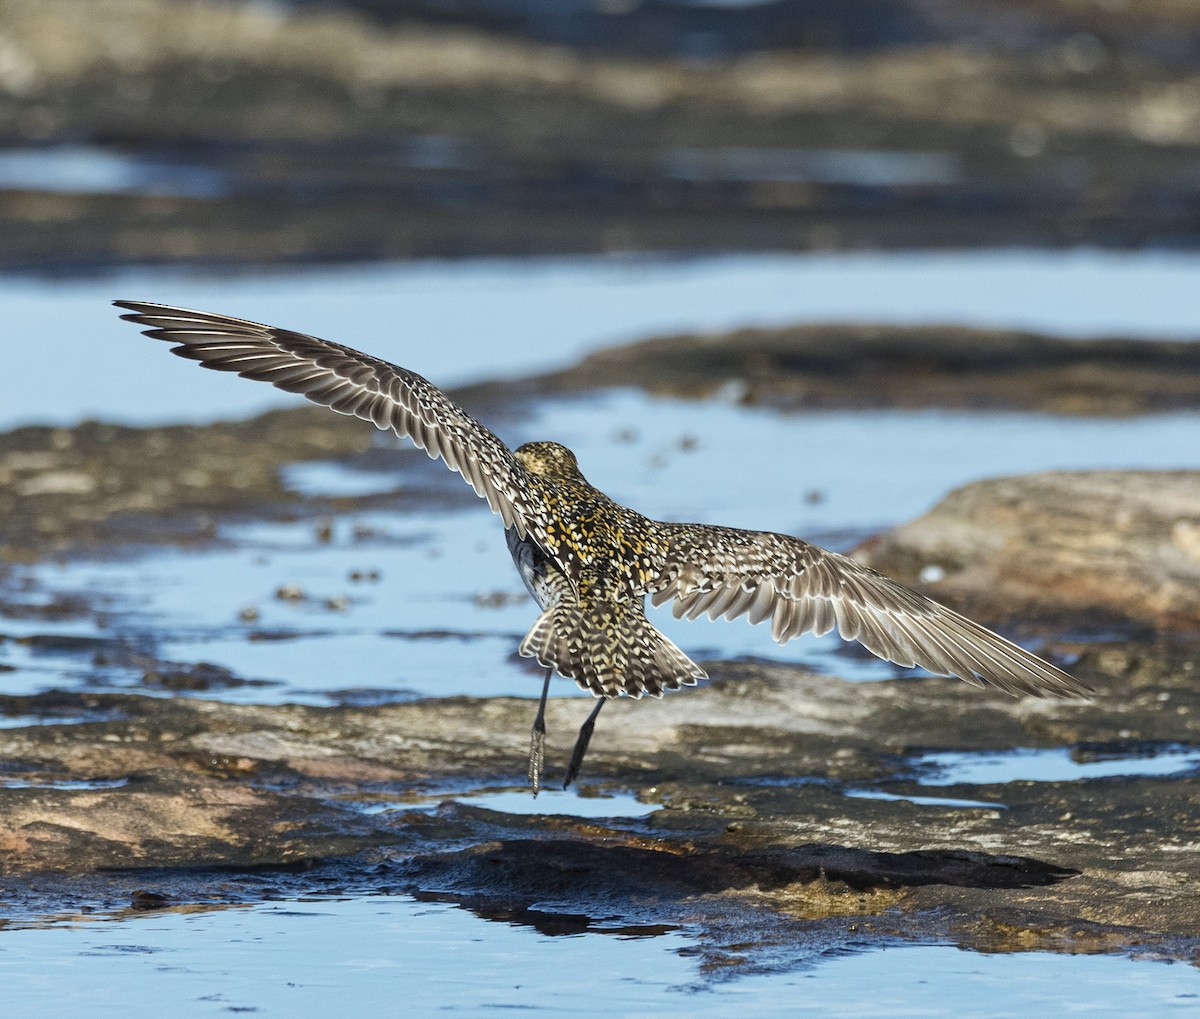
column 590, row 563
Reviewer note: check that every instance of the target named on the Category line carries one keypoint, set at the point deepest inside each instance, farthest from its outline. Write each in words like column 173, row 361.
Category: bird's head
column 550, row 460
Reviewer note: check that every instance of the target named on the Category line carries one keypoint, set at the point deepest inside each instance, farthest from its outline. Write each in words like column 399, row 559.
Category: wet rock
column 1093, row 547
column 149, row 498
column 861, row 366
column 196, row 678
column 68, row 644
column 750, row 775
column 143, row 901
column 148, row 823
column 56, row 608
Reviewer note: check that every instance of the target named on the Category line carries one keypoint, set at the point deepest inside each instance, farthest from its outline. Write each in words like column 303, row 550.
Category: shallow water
column 1051, row 765
column 74, row 783
column 926, row 801
column 92, row 169
column 856, row 167
column 318, row 957
column 490, row 318
column 21, row 721
column 517, row 800
column 438, row 609
column 1027, row 764
column 430, row 626
column 1044, row 764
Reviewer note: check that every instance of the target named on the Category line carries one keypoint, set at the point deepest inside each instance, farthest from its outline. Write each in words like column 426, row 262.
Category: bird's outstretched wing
column 723, row 571
column 349, row 382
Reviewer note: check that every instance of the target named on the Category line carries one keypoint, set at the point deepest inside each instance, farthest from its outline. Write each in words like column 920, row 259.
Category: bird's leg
column 581, row 744
column 537, row 739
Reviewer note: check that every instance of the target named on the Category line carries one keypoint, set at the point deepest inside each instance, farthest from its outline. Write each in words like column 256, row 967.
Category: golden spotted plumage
column 590, row 562
column 594, row 627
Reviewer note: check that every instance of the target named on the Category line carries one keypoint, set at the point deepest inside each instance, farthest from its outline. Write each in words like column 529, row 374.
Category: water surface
column 481, row 319
column 442, row 610
column 1052, row 764
column 438, row 609
column 315, row 957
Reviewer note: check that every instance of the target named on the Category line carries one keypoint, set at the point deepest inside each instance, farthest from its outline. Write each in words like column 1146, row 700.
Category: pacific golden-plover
column 590, row 562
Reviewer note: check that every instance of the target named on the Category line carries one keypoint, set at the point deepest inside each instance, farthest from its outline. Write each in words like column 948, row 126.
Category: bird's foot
column 581, row 744
column 537, row 738
column 537, row 754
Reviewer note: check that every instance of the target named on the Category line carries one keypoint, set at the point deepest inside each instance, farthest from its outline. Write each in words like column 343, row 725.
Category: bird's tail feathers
column 610, row 649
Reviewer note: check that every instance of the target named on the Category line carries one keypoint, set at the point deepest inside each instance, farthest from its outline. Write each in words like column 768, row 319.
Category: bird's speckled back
column 606, row 550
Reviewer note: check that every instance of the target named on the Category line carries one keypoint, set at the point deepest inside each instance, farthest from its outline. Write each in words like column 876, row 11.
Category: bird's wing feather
column 349, row 382
column 723, row 571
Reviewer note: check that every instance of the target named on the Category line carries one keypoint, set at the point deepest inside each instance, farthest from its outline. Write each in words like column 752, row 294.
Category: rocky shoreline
column 100, row 485
column 1093, row 865
column 259, row 134
column 756, row 825
column 1120, row 547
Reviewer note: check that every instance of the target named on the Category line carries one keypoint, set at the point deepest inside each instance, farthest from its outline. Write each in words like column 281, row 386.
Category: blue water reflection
column 445, row 611
column 1051, row 764
column 487, row 318
column 91, row 169
column 388, row 955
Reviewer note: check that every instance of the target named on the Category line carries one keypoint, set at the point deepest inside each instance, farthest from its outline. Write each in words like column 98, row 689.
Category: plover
column 590, row 562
